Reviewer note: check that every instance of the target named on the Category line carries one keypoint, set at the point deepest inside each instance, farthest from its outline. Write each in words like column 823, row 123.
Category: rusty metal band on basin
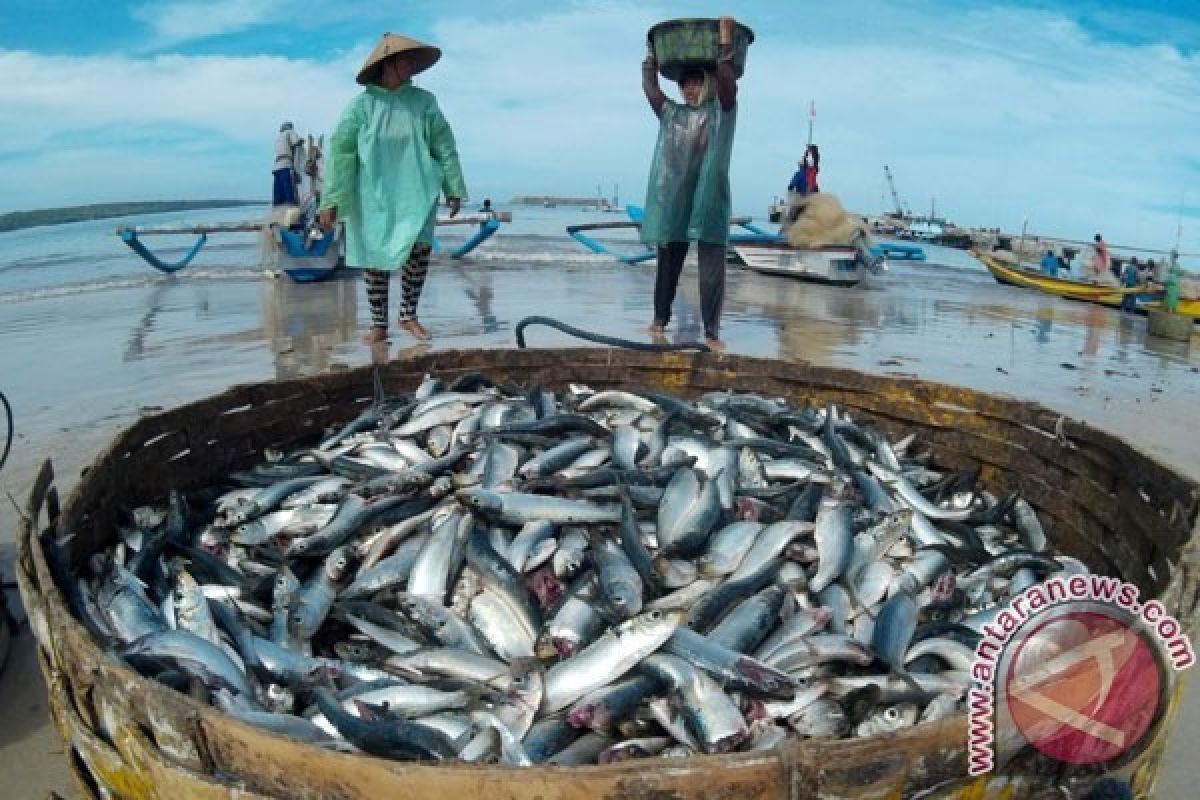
column 1105, row 502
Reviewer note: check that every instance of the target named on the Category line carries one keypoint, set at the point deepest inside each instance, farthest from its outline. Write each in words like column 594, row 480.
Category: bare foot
column 656, row 328
column 375, row 336
column 416, row 330
column 716, row 345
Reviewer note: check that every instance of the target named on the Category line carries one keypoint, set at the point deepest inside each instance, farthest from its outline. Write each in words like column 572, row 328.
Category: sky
column 1077, row 117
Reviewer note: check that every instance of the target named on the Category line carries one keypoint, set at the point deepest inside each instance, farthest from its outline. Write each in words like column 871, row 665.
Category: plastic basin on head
column 682, row 44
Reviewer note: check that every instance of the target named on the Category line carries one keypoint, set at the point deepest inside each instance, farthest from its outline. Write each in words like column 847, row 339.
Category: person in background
column 1130, row 279
column 289, row 151
column 1050, row 264
column 805, row 180
column 1100, row 263
column 390, row 156
column 688, row 196
column 487, row 207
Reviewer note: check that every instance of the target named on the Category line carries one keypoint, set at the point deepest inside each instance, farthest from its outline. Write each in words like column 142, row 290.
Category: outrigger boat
column 1104, row 295
column 837, row 265
column 304, row 258
column 579, row 233
column 763, row 251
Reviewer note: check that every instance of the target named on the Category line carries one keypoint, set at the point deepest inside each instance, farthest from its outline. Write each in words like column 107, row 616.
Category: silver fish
column 517, row 508
column 834, row 543
column 608, row 658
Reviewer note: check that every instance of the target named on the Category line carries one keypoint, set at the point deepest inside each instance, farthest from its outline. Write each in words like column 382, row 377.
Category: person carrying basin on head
column 390, row 157
column 688, row 197
column 289, row 152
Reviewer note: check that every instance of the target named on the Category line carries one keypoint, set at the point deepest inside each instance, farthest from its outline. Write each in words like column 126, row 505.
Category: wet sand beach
column 79, row 367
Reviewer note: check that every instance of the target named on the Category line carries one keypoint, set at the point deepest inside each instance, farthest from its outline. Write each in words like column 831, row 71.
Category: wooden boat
column 1189, row 308
column 838, row 265
column 1102, row 294
column 1101, row 500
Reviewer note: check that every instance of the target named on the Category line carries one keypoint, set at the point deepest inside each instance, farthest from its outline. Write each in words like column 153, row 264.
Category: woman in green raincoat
column 390, row 156
column 688, row 196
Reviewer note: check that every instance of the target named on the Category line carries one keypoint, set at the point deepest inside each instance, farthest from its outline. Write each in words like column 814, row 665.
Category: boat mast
column 892, row 187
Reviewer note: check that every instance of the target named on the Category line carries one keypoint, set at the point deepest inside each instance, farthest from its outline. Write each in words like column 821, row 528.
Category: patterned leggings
column 412, row 280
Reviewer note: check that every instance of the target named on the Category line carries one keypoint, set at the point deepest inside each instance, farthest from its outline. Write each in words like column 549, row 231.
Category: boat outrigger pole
column 488, row 225
column 129, row 235
column 636, row 214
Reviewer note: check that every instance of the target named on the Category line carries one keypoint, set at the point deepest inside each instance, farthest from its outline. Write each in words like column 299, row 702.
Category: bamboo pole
column 253, row 226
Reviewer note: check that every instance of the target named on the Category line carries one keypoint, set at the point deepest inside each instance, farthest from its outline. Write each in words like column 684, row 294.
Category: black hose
column 8, row 426
column 599, row 338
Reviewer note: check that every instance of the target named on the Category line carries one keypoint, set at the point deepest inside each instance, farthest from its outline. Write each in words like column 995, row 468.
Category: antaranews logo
column 1078, row 668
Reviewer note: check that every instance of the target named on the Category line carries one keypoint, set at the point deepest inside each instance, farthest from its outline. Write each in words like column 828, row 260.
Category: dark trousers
column 711, row 259
column 284, row 189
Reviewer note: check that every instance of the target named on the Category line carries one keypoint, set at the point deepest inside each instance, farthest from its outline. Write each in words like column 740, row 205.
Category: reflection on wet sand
column 1095, row 321
column 136, row 349
column 303, row 322
column 1169, row 347
column 1043, row 322
column 477, row 285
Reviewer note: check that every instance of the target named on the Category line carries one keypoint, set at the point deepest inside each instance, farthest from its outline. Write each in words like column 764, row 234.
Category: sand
column 78, row 368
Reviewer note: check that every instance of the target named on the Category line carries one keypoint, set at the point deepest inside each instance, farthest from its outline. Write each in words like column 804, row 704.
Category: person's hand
column 455, row 204
column 726, row 28
column 326, row 219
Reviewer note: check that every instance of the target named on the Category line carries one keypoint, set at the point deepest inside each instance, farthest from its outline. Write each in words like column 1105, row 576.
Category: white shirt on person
column 289, row 148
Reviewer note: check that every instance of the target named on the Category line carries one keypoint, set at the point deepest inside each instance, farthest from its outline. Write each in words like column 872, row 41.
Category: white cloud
column 998, row 113
column 185, row 20
column 240, row 98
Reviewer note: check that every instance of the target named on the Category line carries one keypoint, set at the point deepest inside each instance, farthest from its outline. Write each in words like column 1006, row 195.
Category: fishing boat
column 837, row 265
column 747, row 232
column 896, row 251
column 1188, row 307
column 304, row 256
column 764, row 251
column 1111, row 296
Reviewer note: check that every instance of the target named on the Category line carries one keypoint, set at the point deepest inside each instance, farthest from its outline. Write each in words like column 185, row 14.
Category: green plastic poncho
column 390, row 155
column 688, row 196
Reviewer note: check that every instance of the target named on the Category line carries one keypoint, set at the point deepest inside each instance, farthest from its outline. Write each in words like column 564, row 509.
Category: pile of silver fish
column 482, row 573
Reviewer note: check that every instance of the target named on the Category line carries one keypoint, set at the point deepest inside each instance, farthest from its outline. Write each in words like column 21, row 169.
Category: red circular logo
column 1083, row 687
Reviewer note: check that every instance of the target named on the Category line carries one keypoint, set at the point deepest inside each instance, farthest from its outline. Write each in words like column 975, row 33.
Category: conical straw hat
column 424, row 55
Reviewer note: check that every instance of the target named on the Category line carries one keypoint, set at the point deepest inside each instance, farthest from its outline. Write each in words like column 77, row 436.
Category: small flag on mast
column 812, row 108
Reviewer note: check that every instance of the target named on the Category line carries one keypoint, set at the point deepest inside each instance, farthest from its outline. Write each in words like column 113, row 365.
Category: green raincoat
column 688, row 196
column 390, row 155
